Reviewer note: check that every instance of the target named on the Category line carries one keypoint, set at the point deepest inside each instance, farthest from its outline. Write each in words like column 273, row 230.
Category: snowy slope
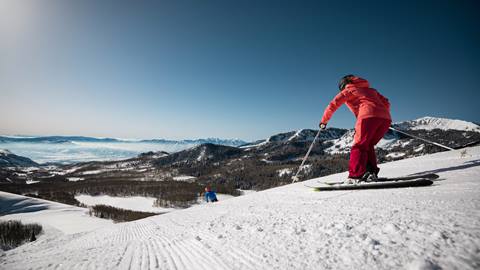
column 56, row 218
column 292, row 227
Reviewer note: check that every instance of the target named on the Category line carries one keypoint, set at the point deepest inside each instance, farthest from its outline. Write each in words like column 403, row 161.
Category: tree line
column 14, row 233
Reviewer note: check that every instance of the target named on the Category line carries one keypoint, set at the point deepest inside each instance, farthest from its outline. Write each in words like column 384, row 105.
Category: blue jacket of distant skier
column 210, row 196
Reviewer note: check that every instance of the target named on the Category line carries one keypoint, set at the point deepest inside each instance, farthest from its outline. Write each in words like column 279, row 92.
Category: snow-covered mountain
column 291, row 145
column 8, row 159
column 289, row 227
column 299, row 136
column 200, row 154
column 450, row 132
column 282, row 146
column 73, row 139
column 430, row 123
column 256, row 165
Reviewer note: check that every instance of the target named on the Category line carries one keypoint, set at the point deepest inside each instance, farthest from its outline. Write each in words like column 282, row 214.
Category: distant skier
column 372, row 111
column 210, row 195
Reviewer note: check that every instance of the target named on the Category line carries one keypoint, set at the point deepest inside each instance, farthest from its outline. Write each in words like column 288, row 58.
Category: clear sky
column 233, row 69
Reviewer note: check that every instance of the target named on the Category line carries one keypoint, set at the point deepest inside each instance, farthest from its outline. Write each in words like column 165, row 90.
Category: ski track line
column 177, row 252
column 190, row 248
column 166, row 246
column 238, row 255
column 166, row 258
column 176, row 256
column 153, row 262
column 233, row 252
column 120, row 258
column 144, row 239
column 205, row 262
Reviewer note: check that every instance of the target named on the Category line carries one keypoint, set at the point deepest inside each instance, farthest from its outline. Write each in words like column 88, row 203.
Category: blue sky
column 231, row 69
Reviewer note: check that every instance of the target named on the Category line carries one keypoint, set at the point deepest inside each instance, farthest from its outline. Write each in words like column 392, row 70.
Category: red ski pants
column 368, row 132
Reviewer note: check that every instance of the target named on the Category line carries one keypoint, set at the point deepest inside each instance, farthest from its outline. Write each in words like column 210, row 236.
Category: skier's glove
column 322, row 126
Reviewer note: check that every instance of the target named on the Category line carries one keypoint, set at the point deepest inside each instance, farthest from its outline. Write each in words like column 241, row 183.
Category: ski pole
column 425, row 140
column 295, row 178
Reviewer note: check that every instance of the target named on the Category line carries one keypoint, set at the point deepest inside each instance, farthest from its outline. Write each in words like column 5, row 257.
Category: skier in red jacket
column 372, row 111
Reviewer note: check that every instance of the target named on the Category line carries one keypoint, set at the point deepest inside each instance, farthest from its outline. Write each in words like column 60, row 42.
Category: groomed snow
column 293, row 227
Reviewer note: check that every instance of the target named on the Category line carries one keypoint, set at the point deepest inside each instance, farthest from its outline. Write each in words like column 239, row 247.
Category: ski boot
column 370, row 177
column 367, row 178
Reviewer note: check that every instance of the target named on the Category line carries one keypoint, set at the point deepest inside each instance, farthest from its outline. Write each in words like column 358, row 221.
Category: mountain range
column 72, row 139
column 258, row 165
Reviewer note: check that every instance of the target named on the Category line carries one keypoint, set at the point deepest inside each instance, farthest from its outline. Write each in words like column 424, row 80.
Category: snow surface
column 295, row 135
column 186, row 178
column 396, row 155
column 93, row 172
column 342, row 144
column 293, row 227
column 283, row 172
column 56, row 218
column 202, row 154
column 250, row 146
column 135, row 203
column 419, row 148
column 75, row 179
column 29, row 182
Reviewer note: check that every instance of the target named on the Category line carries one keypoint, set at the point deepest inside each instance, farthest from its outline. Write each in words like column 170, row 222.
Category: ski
column 420, row 182
column 430, row 176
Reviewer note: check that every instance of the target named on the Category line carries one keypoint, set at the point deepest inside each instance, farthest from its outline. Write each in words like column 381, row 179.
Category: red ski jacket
column 363, row 101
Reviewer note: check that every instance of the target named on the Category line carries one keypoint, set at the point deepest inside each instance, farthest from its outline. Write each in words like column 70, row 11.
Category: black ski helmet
column 344, row 81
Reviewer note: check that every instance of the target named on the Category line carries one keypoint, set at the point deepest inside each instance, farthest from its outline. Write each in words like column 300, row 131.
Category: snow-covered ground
column 293, row 227
column 283, row 172
column 395, row 155
column 186, row 178
column 135, row 203
column 56, row 218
